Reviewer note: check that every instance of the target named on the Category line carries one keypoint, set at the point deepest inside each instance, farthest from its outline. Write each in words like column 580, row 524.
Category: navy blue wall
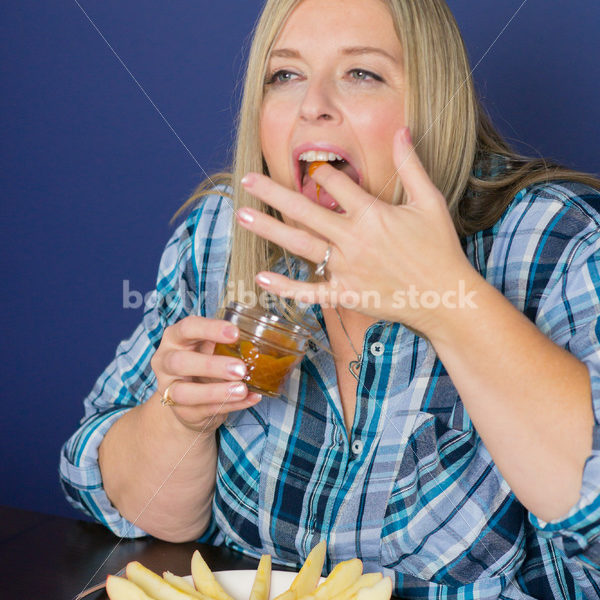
column 91, row 173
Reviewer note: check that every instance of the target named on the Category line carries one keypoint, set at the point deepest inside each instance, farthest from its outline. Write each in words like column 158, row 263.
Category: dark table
column 49, row 557
column 55, row 558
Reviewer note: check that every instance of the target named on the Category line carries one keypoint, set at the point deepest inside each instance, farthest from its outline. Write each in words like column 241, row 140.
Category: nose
column 318, row 103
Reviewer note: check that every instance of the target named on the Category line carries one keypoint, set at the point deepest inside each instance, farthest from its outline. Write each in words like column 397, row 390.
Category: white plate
column 239, row 583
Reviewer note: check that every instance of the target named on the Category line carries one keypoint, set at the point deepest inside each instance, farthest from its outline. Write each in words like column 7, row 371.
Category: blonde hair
column 453, row 135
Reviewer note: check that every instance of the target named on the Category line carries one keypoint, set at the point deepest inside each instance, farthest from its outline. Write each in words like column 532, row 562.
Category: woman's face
column 334, row 85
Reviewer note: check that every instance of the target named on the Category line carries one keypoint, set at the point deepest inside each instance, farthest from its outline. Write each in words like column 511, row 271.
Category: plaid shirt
column 411, row 490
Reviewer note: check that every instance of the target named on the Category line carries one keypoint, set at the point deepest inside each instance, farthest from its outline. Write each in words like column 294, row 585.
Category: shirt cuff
column 81, row 478
column 580, row 528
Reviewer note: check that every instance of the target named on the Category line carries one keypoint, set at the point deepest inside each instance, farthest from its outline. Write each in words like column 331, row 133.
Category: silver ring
column 320, row 270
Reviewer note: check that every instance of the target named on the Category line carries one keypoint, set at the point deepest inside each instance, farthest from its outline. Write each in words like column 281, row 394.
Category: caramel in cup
column 269, row 345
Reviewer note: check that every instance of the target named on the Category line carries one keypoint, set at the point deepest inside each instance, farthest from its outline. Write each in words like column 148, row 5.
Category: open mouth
column 313, row 191
column 304, row 167
column 341, row 165
column 307, row 160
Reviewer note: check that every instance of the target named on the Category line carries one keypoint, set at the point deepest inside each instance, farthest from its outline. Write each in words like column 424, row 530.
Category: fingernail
column 248, row 179
column 236, row 369
column 263, row 279
column 230, row 331
column 407, row 136
column 237, row 389
column 245, row 216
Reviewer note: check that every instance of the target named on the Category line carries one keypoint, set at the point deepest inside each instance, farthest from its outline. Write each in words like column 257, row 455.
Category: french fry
column 340, row 579
column 262, row 581
column 205, row 581
column 365, row 580
column 119, row 588
column 154, row 585
column 308, row 577
column 183, row 585
column 382, row 590
column 287, row 595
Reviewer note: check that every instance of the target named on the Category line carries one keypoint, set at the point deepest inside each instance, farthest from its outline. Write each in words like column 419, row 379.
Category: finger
column 206, row 416
column 189, row 393
column 414, row 177
column 297, row 241
column 187, row 363
column 293, row 204
column 194, row 329
column 348, row 194
column 221, row 408
column 309, row 293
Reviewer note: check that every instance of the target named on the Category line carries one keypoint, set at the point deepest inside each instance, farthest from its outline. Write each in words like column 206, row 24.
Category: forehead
column 327, row 23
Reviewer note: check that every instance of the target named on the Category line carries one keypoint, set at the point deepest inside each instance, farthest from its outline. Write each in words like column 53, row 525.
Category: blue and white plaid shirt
column 412, row 490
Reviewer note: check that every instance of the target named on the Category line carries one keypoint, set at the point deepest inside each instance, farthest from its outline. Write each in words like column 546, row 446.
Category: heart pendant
column 354, row 367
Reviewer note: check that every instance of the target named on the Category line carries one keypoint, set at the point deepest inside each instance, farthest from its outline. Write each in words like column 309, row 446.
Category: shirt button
column 357, row 447
column 377, row 348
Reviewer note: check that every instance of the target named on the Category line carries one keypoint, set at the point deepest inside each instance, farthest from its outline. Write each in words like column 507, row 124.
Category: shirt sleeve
column 182, row 289
column 569, row 314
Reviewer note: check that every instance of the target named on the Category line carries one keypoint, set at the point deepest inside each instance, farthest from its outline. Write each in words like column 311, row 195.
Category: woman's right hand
column 205, row 387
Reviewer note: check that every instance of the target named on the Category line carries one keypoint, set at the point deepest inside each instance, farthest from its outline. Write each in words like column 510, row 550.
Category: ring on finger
column 166, row 399
column 320, row 269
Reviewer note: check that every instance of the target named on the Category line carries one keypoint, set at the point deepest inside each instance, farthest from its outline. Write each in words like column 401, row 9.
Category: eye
column 280, row 77
column 366, row 74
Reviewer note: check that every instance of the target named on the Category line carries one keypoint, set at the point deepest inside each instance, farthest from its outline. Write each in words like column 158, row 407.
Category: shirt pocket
column 450, row 518
column 236, row 503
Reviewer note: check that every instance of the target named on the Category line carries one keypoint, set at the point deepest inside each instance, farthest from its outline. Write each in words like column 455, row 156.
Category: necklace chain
column 337, row 312
column 354, row 365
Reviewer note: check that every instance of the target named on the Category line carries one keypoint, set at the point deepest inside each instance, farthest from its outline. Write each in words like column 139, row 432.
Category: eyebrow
column 350, row 51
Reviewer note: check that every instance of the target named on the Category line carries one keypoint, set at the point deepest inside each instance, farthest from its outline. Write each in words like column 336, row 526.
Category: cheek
column 267, row 131
column 376, row 129
column 274, row 132
column 272, row 127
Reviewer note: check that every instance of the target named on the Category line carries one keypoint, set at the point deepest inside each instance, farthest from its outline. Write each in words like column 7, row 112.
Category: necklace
column 354, row 365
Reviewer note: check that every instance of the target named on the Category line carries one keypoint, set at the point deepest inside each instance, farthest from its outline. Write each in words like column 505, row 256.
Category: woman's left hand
column 393, row 262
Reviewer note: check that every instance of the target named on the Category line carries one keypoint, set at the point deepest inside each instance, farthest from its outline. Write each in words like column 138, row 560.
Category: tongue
column 317, row 194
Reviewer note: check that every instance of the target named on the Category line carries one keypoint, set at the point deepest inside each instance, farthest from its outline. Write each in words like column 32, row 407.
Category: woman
column 451, row 436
